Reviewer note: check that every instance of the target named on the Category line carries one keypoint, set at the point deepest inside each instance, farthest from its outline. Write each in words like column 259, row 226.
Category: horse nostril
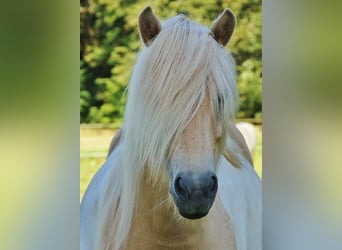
column 180, row 188
column 209, row 186
column 213, row 185
column 188, row 187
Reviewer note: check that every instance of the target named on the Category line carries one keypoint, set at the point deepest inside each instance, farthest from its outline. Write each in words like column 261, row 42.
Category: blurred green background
column 110, row 43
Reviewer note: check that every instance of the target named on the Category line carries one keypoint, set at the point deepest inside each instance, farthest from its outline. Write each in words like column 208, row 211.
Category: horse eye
column 220, row 101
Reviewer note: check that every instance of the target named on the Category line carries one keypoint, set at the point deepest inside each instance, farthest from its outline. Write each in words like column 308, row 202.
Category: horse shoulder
column 89, row 205
column 240, row 193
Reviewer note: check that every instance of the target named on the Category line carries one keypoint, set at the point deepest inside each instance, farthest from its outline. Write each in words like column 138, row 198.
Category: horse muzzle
column 194, row 194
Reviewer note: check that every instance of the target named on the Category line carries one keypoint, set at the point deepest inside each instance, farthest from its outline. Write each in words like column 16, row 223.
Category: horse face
column 193, row 161
column 193, row 181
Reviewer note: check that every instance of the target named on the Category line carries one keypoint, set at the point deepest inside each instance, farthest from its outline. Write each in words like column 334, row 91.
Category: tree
column 110, row 43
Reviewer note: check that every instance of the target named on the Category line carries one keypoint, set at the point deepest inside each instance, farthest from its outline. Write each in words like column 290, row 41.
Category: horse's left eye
column 220, row 101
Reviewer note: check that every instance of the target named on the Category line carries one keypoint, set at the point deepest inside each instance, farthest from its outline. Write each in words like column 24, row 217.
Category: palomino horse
column 180, row 175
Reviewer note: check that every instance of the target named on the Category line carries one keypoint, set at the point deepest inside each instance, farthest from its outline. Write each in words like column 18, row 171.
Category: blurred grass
column 257, row 155
column 94, row 147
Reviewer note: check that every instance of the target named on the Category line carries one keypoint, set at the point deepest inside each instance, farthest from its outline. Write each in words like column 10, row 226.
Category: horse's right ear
column 223, row 27
column 149, row 25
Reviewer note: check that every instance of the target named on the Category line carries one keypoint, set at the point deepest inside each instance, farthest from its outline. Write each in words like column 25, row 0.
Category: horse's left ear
column 149, row 25
column 223, row 27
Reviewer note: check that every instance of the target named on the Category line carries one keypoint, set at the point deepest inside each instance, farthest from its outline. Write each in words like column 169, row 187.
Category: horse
column 179, row 174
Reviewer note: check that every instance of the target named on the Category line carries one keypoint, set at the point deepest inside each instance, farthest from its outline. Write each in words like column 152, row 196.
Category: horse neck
column 157, row 217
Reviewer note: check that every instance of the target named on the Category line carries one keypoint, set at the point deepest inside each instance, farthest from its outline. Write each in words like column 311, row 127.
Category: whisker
column 159, row 205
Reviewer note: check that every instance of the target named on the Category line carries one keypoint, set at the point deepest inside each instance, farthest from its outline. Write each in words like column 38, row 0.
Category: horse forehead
column 202, row 117
column 198, row 136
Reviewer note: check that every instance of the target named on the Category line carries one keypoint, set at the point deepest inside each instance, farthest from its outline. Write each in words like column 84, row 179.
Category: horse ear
column 149, row 25
column 223, row 27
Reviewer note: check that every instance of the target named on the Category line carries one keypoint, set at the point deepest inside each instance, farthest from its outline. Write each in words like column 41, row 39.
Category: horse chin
column 193, row 210
column 193, row 216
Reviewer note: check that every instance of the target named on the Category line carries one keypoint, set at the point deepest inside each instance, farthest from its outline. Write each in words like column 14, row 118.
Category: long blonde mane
column 170, row 80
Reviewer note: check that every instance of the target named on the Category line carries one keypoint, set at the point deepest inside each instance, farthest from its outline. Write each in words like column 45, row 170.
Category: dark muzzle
column 194, row 194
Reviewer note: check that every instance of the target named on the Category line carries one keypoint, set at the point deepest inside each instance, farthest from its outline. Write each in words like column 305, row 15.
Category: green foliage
column 110, row 43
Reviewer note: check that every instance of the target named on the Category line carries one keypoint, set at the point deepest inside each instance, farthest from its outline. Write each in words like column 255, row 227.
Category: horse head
column 193, row 160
